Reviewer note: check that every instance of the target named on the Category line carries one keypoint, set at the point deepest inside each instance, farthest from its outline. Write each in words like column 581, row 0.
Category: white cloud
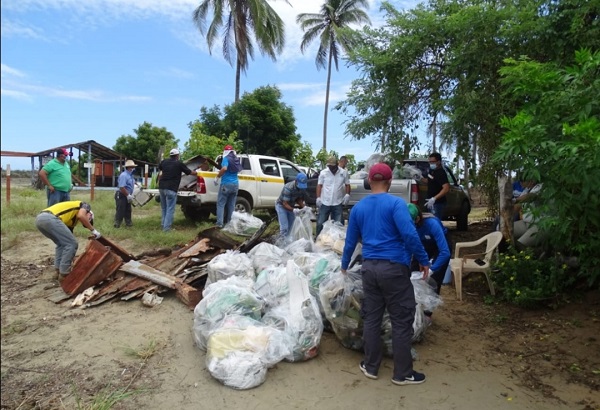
column 6, row 71
column 17, row 95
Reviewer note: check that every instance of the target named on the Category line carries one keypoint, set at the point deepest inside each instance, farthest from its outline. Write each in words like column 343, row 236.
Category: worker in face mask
column 437, row 186
column 333, row 192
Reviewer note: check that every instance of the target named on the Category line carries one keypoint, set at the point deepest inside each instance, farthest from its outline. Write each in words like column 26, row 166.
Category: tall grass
column 18, row 220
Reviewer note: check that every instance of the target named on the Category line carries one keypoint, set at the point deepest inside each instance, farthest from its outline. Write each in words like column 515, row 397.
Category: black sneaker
column 414, row 378
column 365, row 371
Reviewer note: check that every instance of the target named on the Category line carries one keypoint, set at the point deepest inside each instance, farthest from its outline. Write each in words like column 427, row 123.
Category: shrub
column 528, row 281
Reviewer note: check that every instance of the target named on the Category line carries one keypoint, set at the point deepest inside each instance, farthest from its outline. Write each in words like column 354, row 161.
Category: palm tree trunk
column 238, row 70
column 326, row 102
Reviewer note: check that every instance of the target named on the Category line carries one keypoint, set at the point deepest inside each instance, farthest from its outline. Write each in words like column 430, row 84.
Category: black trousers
column 123, row 210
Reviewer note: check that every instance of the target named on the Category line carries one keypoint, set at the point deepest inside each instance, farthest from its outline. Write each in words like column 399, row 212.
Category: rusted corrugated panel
column 93, row 266
column 123, row 254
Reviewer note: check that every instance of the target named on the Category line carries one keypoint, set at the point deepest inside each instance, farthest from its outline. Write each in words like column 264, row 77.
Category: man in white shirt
column 333, row 192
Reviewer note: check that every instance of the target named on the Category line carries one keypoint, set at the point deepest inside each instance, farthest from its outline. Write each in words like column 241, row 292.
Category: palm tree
column 331, row 25
column 243, row 19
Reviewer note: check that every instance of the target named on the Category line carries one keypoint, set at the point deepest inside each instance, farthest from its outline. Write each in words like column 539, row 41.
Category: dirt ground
column 475, row 355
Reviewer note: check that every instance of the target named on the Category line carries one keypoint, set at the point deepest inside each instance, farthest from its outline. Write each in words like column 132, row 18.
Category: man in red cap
column 389, row 239
column 56, row 175
column 229, row 184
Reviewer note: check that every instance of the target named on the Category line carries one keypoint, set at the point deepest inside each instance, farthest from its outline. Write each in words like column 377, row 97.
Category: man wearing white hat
column 168, row 185
column 124, row 195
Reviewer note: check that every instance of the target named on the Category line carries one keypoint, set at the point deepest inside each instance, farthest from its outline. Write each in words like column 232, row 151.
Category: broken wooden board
column 186, row 293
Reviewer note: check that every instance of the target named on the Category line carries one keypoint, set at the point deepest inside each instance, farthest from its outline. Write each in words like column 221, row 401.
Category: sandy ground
column 474, row 355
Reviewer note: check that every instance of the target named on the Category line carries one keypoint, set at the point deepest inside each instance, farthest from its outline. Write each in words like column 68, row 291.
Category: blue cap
column 301, row 180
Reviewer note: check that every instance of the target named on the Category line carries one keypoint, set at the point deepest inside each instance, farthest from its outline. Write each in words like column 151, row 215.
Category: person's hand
column 346, row 200
column 96, row 234
column 344, row 272
column 216, row 181
column 296, row 211
column 130, row 198
column 426, row 272
column 429, row 203
column 50, row 188
column 319, row 202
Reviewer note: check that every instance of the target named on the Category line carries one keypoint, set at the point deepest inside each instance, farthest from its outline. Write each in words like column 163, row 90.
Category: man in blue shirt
column 433, row 235
column 124, row 195
column 227, row 190
column 389, row 239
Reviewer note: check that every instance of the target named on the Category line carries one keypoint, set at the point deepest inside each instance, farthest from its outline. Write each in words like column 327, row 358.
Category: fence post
column 93, row 181
column 146, row 176
column 8, row 184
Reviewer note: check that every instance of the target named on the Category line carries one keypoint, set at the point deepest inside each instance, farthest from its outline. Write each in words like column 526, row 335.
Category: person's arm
column 348, row 189
column 443, row 192
column 319, row 188
column 44, row 177
column 300, row 202
column 443, row 256
column 287, row 206
column 186, row 170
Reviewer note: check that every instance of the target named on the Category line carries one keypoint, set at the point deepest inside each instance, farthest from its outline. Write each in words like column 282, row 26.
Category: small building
column 83, row 157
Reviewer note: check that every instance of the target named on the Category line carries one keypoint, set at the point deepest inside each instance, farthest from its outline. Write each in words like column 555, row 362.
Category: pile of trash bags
column 273, row 303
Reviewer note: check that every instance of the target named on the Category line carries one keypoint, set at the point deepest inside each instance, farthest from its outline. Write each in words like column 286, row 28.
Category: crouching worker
column 57, row 223
column 293, row 192
column 433, row 235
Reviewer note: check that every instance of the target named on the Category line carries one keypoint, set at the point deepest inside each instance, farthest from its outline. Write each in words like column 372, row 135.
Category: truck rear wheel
column 242, row 205
column 193, row 213
column 462, row 220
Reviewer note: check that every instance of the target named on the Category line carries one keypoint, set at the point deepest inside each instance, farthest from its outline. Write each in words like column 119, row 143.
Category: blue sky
column 76, row 70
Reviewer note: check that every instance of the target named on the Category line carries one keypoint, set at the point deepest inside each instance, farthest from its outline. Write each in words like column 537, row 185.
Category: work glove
column 96, row 234
column 319, row 202
column 416, row 176
column 429, row 203
column 130, row 198
column 296, row 211
column 216, row 181
column 346, row 200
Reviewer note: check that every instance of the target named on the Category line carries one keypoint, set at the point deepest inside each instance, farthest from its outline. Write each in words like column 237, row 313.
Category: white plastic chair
column 467, row 264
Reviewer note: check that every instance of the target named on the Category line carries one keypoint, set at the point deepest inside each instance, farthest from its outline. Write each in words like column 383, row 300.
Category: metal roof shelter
column 107, row 161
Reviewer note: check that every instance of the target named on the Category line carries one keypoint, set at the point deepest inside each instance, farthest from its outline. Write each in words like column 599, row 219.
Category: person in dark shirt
column 437, row 186
column 168, row 185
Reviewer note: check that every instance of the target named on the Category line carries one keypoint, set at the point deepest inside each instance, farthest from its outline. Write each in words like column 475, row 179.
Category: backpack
column 234, row 163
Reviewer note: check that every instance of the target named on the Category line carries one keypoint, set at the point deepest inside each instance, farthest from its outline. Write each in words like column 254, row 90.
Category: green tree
column 555, row 139
column 331, row 26
column 304, row 155
column 203, row 143
column 146, row 144
column 264, row 123
column 238, row 22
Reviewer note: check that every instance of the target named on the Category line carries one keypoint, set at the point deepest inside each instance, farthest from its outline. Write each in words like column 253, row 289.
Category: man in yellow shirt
column 57, row 223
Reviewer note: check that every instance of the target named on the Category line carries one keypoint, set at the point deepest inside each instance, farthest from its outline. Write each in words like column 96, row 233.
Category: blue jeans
column 325, row 211
column 168, row 200
column 387, row 285
column 66, row 244
column 286, row 219
column 439, row 210
column 57, row 196
column 226, row 203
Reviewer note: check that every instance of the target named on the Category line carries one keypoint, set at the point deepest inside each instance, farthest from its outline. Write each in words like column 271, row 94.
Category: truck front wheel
column 462, row 220
column 193, row 213
column 242, row 205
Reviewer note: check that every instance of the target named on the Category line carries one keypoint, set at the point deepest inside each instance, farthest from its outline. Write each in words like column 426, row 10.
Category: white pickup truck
column 261, row 182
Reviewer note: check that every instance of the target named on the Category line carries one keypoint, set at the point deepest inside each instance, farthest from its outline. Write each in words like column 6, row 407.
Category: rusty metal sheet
column 218, row 238
column 123, row 254
column 93, row 266
column 200, row 246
